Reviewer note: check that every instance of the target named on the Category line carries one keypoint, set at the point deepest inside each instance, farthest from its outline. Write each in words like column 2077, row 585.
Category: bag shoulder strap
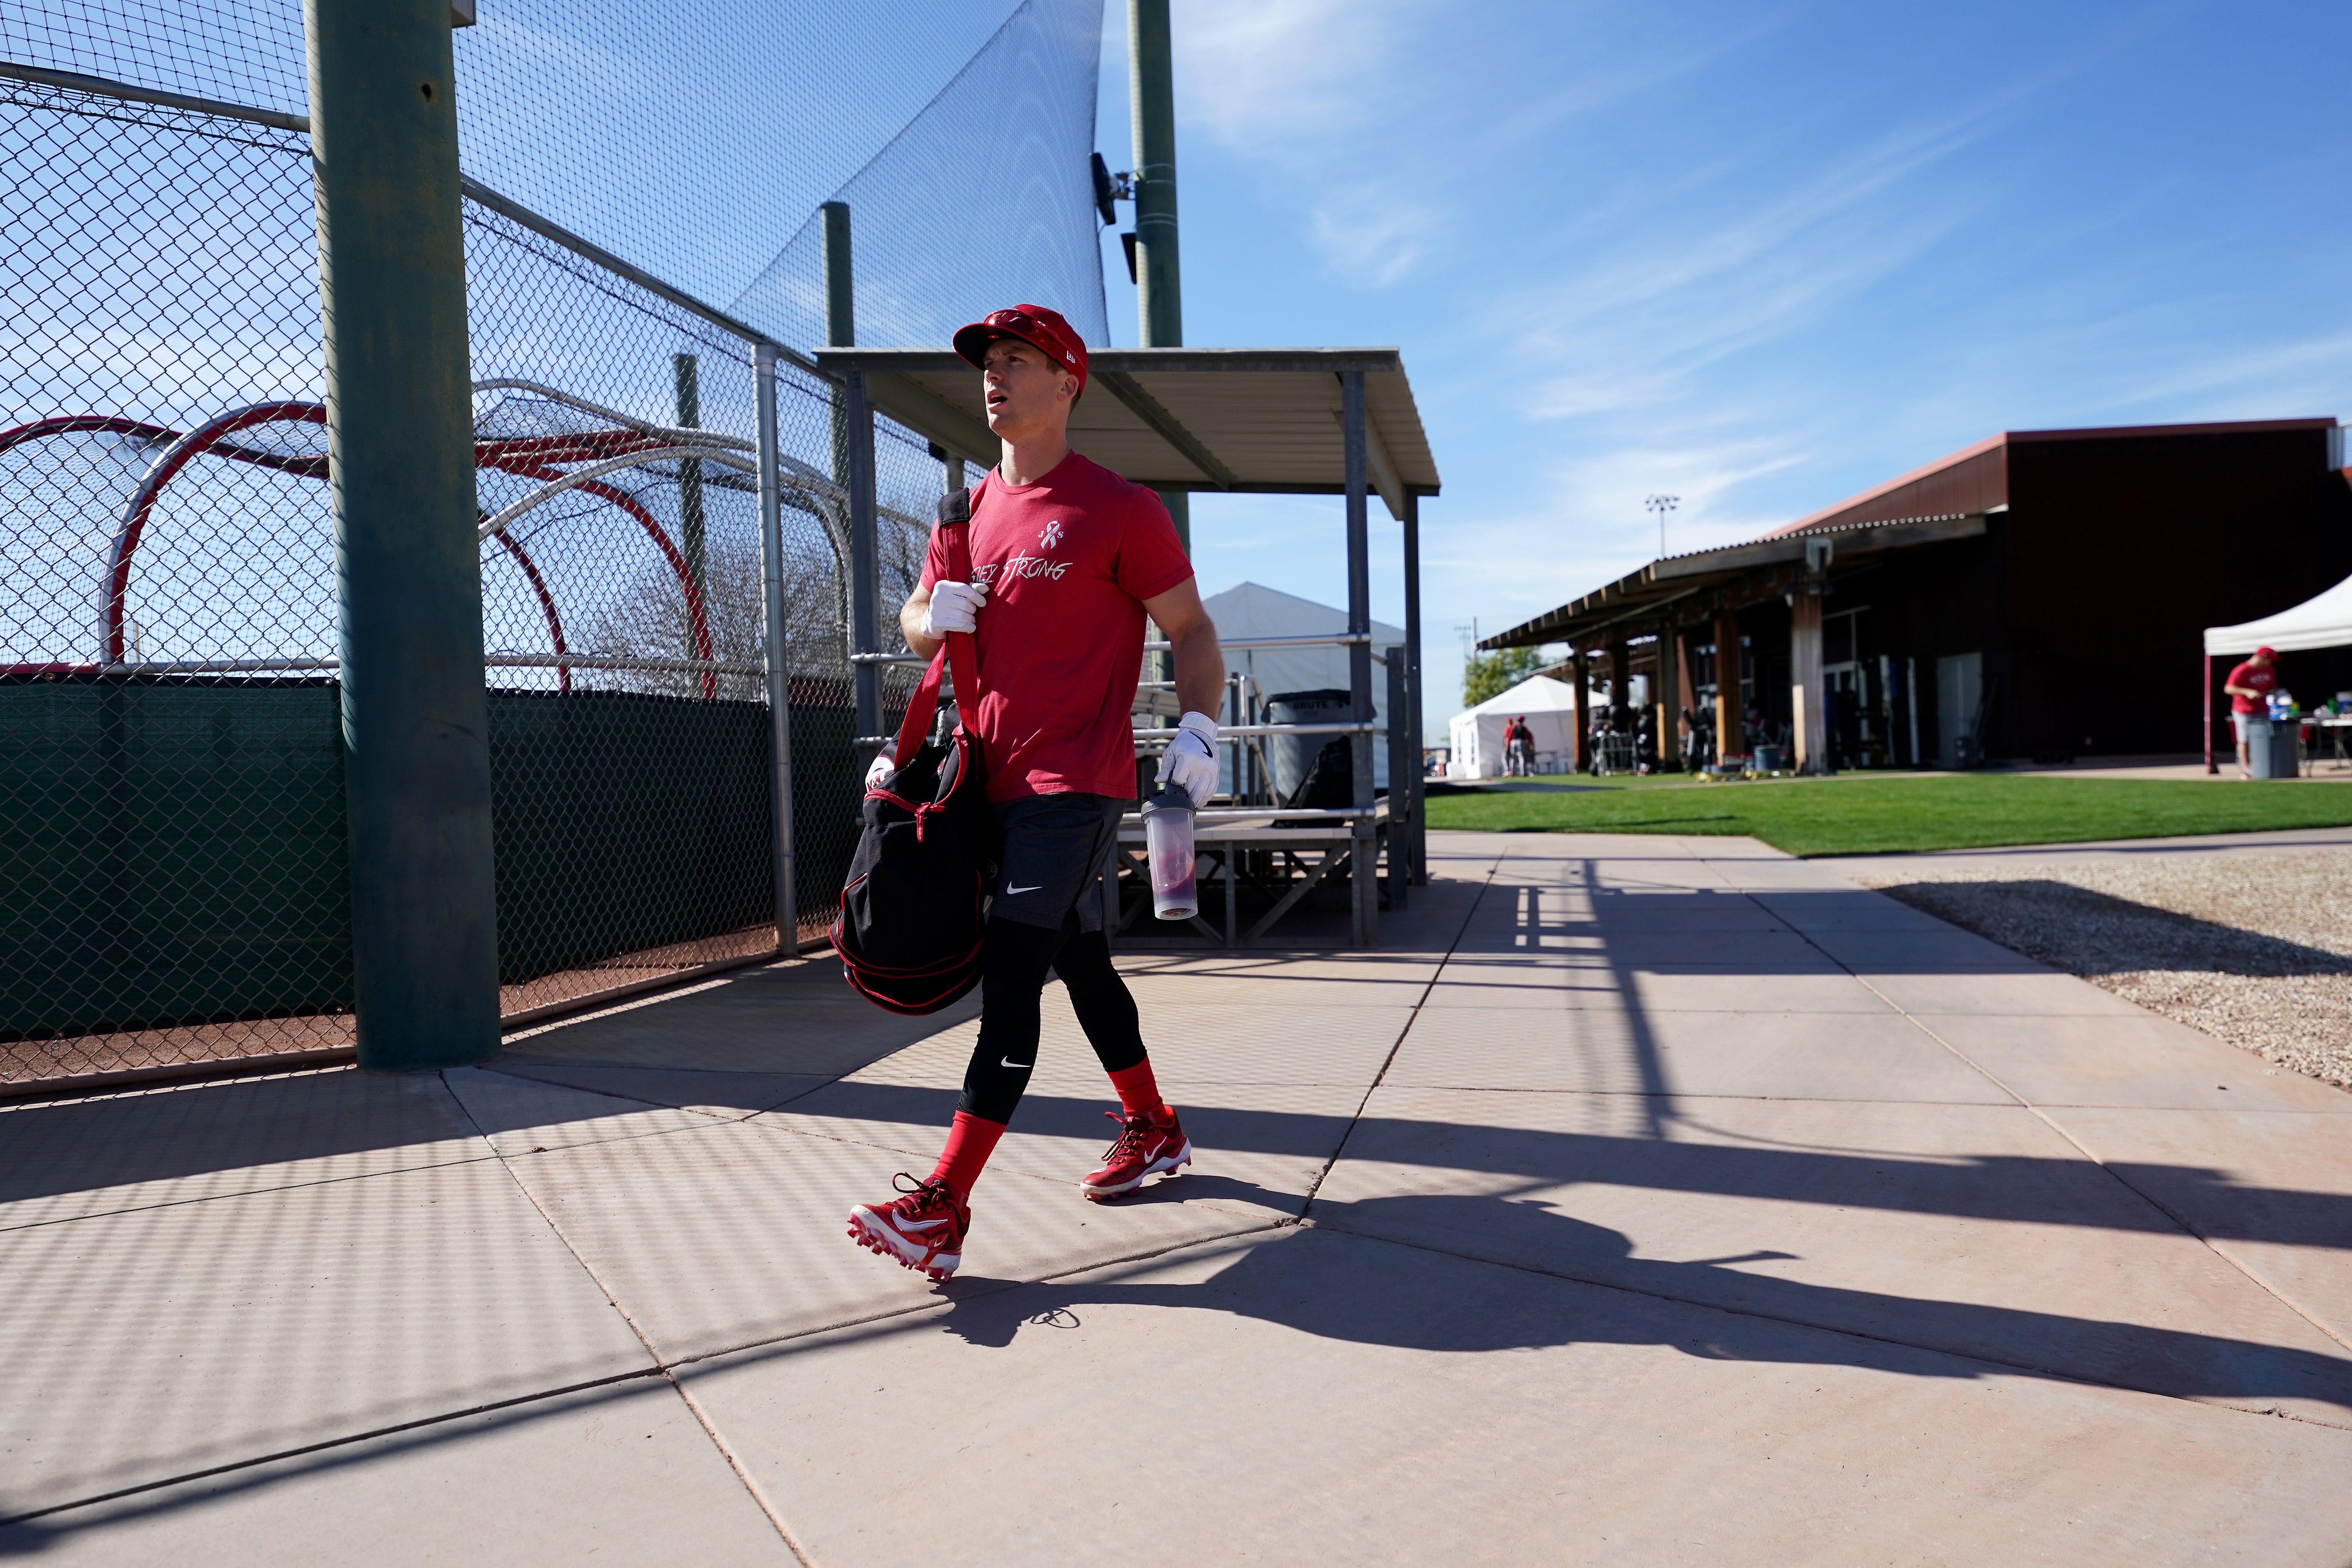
column 955, row 652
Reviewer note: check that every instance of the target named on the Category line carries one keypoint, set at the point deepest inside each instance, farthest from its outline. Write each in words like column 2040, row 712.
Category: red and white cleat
column 1144, row 1148
column 924, row 1230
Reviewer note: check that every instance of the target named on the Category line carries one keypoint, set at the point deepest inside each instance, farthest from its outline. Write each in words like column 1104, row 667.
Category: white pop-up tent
column 2322, row 621
column 1549, row 707
column 1247, row 610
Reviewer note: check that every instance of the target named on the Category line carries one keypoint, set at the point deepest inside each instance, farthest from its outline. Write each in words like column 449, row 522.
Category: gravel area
column 2253, row 949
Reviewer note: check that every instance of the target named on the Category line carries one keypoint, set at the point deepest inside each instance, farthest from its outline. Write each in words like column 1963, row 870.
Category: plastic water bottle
column 1167, row 840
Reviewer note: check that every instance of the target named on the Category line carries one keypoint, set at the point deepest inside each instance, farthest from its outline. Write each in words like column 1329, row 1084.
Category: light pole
column 1663, row 505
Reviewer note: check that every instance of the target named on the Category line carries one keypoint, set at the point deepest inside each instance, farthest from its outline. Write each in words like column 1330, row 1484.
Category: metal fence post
column 1365, row 891
column 392, row 276
column 864, row 587
column 773, row 644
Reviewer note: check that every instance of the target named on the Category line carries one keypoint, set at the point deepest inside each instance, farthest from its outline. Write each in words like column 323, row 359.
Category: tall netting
column 970, row 205
column 174, row 885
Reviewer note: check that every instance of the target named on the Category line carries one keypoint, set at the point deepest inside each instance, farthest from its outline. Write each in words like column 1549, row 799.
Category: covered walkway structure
column 1248, row 421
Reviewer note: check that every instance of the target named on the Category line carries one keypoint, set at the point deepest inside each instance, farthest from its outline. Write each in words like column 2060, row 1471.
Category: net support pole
column 840, row 317
column 417, row 763
column 865, row 584
column 1158, row 277
column 1362, row 886
column 1417, row 832
column 773, row 643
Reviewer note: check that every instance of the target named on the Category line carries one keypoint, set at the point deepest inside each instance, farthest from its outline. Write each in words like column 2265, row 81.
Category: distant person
column 1519, row 749
column 2249, row 686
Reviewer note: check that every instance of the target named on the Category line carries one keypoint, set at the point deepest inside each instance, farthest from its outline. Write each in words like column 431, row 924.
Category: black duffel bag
column 909, row 931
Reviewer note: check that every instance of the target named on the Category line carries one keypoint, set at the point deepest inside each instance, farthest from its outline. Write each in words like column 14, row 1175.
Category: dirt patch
column 2254, row 950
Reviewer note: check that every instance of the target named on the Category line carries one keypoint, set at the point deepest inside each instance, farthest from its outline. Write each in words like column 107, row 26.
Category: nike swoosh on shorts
column 1008, row 1061
column 1032, row 888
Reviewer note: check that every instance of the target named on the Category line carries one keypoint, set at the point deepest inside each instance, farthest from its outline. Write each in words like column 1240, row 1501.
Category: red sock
column 1138, row 1094
column 970, row 1141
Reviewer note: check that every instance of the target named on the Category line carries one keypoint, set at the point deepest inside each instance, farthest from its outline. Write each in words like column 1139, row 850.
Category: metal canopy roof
column 1185, row 420
column 1645, row 593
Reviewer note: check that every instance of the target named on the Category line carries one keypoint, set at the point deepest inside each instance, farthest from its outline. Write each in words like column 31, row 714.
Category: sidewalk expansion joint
column 1469, row 913
column 2185, row 1224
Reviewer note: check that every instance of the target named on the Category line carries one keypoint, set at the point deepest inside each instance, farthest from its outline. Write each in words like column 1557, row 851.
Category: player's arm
column 1192, row 639
column 1190, row 759
column 910, row 624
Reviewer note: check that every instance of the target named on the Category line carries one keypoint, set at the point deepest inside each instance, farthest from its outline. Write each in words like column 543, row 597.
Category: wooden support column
column 1621, row 681
column 1730, row 727
column 1685, row 695
column 1807, row 698
column 1580, row 671
column 1663, row 691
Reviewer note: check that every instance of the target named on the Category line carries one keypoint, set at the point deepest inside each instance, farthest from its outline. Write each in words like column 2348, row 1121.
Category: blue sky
column 1759, row 256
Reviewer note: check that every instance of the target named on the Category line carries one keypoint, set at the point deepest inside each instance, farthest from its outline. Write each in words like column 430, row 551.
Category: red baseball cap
column 2259, row 653
column 1040, row 328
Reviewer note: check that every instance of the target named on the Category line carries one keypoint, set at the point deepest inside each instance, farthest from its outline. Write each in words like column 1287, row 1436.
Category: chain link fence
column 174, row 886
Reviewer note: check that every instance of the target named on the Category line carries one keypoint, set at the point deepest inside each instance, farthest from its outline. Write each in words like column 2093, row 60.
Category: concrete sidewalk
column 1642, row 1200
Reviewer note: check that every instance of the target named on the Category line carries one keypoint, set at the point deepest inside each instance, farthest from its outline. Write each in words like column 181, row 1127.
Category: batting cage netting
column 642, row 217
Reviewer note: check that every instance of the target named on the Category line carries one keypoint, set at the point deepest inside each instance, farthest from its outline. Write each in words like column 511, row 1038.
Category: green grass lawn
column 1861, row 813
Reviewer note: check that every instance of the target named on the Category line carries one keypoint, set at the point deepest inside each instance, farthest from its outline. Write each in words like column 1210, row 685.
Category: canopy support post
column 864, row 585
column 2210, row 766
column 1363, row 888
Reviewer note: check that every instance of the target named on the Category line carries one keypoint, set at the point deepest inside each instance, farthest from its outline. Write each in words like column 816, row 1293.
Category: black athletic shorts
column 1055, row 847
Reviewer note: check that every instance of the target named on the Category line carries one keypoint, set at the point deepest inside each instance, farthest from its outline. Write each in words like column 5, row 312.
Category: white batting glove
column 953, row 607
column 1191, row 760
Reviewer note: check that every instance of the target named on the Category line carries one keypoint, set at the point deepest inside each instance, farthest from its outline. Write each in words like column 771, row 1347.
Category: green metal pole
column 417, row 763
column 1158, row 284
column 840, row 318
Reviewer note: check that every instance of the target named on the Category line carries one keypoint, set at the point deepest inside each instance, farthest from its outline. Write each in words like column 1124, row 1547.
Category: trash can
column 2271, row 749
column 1771, row 759
column 1294, row 757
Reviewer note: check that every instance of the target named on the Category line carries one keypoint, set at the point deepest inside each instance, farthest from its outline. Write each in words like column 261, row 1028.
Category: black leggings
column 1013, row 966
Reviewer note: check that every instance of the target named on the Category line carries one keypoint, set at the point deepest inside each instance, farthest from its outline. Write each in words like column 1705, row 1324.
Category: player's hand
column 879, row 770
column 953, row 608
column 1191, row 760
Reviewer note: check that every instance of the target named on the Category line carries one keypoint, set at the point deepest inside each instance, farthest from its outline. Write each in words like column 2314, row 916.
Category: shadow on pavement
column 1415, row 1297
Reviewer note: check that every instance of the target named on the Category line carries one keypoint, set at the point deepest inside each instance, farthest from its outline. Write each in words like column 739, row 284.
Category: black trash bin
column 1311, row 770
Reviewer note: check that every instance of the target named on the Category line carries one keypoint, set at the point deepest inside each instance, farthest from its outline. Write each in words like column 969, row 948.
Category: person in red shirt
column 2249, row 686
column 1068, row 560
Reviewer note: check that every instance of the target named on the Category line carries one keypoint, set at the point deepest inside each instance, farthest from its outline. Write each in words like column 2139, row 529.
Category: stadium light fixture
column 1663, row 505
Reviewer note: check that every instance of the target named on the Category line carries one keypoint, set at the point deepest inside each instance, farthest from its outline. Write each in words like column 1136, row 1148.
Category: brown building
column 2037, row 596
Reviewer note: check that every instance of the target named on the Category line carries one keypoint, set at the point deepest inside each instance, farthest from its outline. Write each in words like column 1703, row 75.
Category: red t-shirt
column 1068, row 562
column 2253, row 678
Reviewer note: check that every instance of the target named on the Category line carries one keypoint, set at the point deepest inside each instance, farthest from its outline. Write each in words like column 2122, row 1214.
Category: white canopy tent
column 1249, row 610
column 1549, row 707
column 2322, row 621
